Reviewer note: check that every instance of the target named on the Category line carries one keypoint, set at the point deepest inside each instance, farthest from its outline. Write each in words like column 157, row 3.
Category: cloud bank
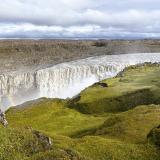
column 79, row 19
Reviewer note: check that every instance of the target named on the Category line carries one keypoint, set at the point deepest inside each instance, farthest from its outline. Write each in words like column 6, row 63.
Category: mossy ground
column 138, row 86
column 53, row 117
column 103, row 123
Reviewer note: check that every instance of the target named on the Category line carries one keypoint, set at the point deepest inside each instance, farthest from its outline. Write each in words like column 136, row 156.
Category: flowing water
column 65, row 80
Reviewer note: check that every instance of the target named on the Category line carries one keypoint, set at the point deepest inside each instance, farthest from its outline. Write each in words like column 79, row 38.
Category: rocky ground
column 116, row 119
column 24, row 54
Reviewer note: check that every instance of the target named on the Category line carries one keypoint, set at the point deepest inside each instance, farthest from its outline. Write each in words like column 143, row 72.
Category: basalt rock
column 3, row 120
column 43, row 140
column 104, row 85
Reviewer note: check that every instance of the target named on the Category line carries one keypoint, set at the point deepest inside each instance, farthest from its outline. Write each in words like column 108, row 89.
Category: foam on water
column 66, row 79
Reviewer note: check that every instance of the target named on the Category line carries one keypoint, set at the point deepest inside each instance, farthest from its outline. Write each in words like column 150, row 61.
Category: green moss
column 113, row 122
column 154, row 136
column 52, row 117
column 18, row 144
column 137, row 86
column 130, row 126
column 95, row 147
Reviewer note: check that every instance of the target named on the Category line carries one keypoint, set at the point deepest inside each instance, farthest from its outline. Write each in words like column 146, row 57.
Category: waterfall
column 65, row 80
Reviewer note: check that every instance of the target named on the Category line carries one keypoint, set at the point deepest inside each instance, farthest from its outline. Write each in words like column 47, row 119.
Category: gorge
column 64, row 80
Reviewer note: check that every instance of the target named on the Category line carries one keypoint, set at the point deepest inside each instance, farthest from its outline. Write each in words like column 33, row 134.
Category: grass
column 22, row 145
column 138, row 86
column 100, row 148
column 131, row 126
column 53, row 117
column 102, row 123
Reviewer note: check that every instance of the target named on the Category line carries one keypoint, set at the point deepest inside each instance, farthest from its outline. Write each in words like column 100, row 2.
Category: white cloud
column 79, row 18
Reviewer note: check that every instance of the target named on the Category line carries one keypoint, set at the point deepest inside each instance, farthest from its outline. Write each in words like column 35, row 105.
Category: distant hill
column 19, row 54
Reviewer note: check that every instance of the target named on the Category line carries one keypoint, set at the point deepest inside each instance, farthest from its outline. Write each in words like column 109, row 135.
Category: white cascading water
column 65, row 80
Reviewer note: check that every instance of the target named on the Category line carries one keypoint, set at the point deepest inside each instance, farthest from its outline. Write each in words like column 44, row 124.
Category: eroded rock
column 3, row 119
column 104, row 85
column 44, row 140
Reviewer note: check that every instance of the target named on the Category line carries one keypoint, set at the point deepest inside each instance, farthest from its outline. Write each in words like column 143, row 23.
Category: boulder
column 44, row 141
column 3, row 120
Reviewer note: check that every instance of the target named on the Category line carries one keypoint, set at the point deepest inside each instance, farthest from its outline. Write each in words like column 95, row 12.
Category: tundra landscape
column 115, row 118
column 79, row 80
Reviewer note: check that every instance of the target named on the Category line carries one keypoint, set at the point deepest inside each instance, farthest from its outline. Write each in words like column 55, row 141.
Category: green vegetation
column 117, row 121
column 154, row 136
column 52, row 117
column 138, row 85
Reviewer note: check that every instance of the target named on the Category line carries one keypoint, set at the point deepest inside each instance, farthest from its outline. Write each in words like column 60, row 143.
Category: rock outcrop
column 3, row 119
column 103, row 85
column 43, row 140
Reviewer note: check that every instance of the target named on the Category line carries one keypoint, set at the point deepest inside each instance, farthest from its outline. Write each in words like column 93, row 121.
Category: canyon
column 65, row 80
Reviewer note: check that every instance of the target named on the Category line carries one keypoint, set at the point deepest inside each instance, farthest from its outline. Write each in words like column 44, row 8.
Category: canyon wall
column 66, row 79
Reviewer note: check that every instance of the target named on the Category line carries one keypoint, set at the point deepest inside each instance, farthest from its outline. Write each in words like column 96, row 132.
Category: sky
column 80, row 19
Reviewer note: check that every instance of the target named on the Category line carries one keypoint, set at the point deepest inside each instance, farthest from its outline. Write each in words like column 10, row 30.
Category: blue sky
column 80, row 18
